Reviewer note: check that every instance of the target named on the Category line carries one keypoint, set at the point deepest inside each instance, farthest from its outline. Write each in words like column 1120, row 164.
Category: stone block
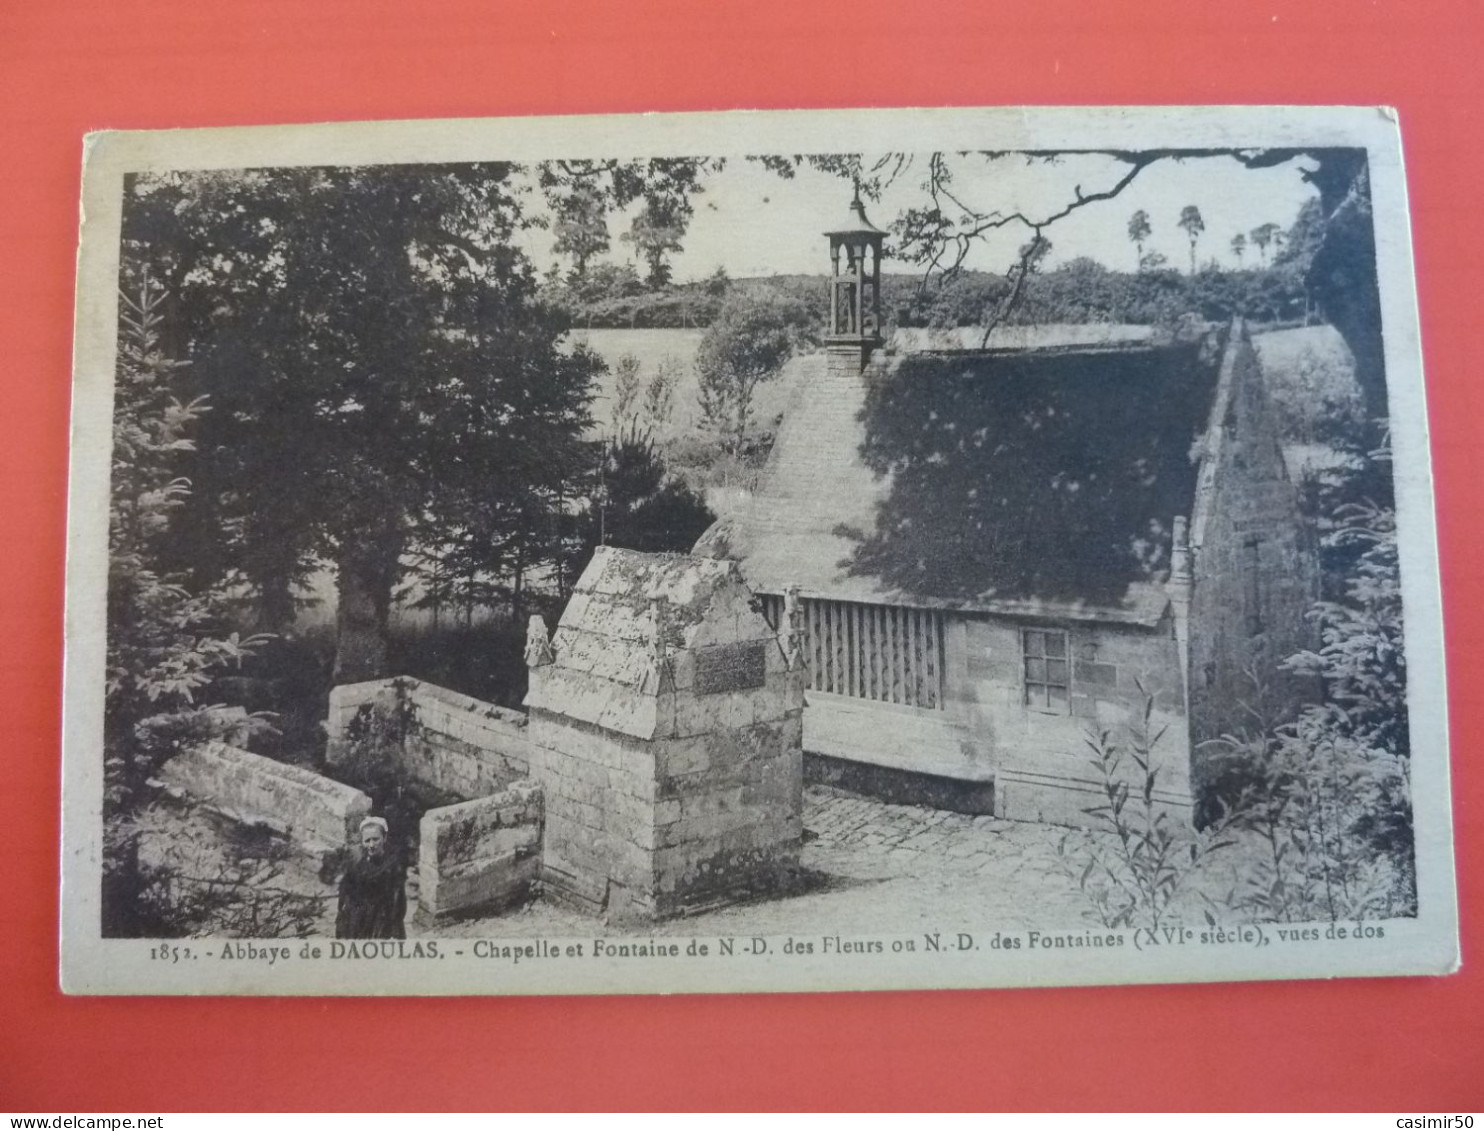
column 480, row 854
column 317, row 815
column 1061, row 793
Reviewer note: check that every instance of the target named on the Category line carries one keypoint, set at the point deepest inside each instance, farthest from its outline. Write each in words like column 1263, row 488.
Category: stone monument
column 666, row 730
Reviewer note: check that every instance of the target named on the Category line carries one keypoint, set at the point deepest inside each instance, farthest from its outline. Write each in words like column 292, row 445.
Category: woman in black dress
column 373, row 893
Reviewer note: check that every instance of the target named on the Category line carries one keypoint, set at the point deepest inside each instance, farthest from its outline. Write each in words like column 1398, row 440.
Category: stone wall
column 887, row 734
column 733, row 803
column 316, row 814
column 986, row 731
column 641, row 828
column 457, row 744
column 1255, row 569
column 1061, row 792
column 601, row 810
column 1111, row 670
column 482, row 855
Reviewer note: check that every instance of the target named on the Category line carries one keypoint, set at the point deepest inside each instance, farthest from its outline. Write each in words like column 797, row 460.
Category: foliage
column 625, row 389
column 1192, row 224
column 581, row 227
column 1332, row 819
column 753, row 335
column 165, row 643
column 375, row 738
column 659, row 395
column 666, row 186
column 231, row 883
column 161, row 652
column 1083, row 290
column 673, row 307
column 1316, row 401
column 1265, row 236
column 1302, row 241
column 1139, row 231
column 1361, row 658
column 703, row 462
column 605, row 282
column 656, row 232
column 640, row 505
column 1328, row 793
column 483, row 659
column 1134, row 864
column 718, row 283
column 317, row 302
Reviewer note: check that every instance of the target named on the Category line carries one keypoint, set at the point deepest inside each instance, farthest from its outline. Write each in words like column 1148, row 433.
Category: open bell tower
column 855, row 290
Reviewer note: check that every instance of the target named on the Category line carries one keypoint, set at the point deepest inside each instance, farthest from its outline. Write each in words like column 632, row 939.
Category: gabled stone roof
column 1036, row 478
column 609, row 667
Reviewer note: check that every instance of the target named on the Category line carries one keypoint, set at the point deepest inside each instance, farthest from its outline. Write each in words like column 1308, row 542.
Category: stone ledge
column 482, row 855
column 315, row 814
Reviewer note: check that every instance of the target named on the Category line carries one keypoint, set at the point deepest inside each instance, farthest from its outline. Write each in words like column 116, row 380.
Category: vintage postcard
column 752, row 551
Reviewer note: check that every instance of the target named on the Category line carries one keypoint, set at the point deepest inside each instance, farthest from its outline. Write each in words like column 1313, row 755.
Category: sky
column 752, row 222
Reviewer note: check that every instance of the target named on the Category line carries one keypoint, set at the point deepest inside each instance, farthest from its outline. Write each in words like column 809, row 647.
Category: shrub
column 1135, row 863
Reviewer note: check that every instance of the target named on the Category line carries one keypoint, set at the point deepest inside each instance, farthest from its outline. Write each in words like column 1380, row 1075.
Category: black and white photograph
column 788, row 551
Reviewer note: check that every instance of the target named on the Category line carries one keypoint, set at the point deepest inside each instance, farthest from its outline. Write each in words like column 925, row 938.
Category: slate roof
column 1039, row 477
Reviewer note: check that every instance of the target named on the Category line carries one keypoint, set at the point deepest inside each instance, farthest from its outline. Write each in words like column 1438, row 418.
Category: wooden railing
column 887, row 653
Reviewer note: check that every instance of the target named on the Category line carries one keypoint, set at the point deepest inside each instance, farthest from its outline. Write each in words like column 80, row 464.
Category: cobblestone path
column 1013, row 865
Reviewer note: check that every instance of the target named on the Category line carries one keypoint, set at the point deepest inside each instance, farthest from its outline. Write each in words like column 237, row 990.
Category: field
column 655, row 347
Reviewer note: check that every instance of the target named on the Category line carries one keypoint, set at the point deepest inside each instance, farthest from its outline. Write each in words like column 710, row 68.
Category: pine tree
column 166, row 643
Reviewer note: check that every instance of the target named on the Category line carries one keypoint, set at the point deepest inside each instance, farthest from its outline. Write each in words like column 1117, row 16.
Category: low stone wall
column 454, row 743
column 1062, row 794
column 316, row 814
column 480, row 855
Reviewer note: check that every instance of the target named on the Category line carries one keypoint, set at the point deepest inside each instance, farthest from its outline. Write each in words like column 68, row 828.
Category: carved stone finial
column 659, row 611
column 1180, row 551
column 539, row 651
column 657, row 679
column 792, row 628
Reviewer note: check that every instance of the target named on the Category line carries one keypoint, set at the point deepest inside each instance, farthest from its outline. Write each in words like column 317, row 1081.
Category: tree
column 666, row 185
column 625, row 390
column 1029, row 259
column 718, row 282
column 581, row 227
column 939, row 233
column 753, row 334
column 1304, row 238
column 1139, row 231
column 377, row 359
column 1239, row 248
column 657, row 231
column 639, row 506
column 1265, row 236
column 1192, row 225
column 165, row 642
column 659, row 395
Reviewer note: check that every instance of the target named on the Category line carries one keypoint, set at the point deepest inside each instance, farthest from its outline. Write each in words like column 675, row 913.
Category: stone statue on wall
column 538, row 643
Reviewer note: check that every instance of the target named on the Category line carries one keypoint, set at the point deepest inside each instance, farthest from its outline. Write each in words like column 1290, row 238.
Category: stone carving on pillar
column 655, row 680
column 792, row 629
column 539, row 652
column 1179, row 590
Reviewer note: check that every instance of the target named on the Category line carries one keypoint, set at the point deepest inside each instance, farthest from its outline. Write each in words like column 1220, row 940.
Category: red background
column 68, row 67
